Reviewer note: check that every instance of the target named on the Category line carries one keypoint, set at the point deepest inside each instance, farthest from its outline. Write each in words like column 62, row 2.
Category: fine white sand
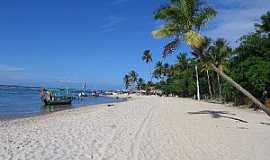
column 143, row 128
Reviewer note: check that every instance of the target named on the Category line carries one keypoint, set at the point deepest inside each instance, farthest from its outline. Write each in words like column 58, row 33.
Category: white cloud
column 236, row 18
column 111, row 23
column 67, row 81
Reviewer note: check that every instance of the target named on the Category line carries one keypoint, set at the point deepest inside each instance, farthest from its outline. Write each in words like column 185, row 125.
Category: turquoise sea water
column 18, row 102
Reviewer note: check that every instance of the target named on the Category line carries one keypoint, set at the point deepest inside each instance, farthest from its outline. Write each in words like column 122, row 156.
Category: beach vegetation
column 183, row 20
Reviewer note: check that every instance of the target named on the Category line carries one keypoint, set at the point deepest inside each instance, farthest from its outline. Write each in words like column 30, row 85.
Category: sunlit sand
column 141, row 128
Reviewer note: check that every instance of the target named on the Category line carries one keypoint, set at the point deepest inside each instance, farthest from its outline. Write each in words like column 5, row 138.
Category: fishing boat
column 83, row 92
column 55, row 96
column 95, row 94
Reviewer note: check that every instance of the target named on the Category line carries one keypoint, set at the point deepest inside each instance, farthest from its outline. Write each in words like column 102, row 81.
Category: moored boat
column 55, row 96
column 83, row 92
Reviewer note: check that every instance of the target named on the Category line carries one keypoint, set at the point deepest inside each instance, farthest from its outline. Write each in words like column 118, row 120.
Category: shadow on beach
column 218, row 114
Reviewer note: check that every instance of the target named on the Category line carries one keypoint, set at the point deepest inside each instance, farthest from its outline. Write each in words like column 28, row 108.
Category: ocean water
column 19, row 102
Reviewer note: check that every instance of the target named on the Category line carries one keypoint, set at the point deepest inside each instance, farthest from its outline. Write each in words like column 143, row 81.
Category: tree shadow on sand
column 219, row 114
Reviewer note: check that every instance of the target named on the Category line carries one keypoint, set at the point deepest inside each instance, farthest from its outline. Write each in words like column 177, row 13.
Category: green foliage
column 248, row 65
column 131, row 79
column 251, row 66
column 141, row 84
column 183, row 20
column 265, row 25
column 147, row 56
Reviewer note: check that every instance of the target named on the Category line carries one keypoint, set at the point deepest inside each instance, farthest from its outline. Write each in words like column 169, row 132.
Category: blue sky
column 67, row 42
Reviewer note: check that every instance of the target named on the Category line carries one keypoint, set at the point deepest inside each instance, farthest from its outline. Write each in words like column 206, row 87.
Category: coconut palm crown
column 147, row 56
column 183, row 21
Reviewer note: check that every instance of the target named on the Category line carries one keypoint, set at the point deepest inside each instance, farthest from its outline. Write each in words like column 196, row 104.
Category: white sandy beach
column 144, row 128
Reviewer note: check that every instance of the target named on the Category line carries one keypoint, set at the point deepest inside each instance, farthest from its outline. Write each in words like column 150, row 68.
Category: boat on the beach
column 55, row 96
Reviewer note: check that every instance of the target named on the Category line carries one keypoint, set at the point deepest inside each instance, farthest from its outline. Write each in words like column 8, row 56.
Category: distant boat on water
column 56, row 96
column 83, row 92
column 95, row 94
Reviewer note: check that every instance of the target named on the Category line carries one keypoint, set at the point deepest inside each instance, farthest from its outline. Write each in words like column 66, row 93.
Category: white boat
column 83, row 92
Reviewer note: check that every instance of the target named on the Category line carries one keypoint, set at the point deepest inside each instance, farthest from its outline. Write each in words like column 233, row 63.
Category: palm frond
column 166, row 13
column 147, row 56
column 165, row 31
column 203, row 16
column 171, row 47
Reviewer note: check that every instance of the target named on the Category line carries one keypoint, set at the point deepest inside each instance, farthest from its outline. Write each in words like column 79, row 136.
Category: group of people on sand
column 45, row 94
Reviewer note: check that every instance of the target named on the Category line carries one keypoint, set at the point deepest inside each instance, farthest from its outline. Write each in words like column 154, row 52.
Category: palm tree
column 219, row 54
column 166, row 68
column 265, row 26
column 206, row 67
column 147, row 57
column 197, row 82
column 126, row 80
column 172, row 71
column 183, row 21
column 140, row 84
column 158, row 71
column 182, row 61
column 133, row 76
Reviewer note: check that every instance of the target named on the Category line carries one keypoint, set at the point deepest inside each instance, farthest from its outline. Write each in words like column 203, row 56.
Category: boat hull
column 58, row 102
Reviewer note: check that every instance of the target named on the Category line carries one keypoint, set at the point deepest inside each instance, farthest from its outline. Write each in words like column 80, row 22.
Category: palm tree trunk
column 242, row 90
column 219, row 86
column 198, row 85
column 150, row 71
column 209, row 84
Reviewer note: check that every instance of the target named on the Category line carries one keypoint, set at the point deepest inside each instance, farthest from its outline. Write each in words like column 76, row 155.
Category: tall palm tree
column 205, row 67
column 140, row 84
column 147, row 57
column 126, row 80
column 182, row 61
column 183, row 21
column 197, row 82
column 158, row 71
column 133, row 76
column 172, row 71
column 166, row 69
column 219, row 55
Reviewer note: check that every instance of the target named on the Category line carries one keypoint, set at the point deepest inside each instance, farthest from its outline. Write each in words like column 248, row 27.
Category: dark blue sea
column 19, row 102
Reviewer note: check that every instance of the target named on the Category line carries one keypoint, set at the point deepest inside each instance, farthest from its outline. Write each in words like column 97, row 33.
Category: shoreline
column 65, row 108
column 144, row 127
column 96, row 107
column 125, row 98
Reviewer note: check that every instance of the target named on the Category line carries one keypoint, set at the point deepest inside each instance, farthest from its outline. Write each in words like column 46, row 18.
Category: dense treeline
column 215, row 70
column 248, row 64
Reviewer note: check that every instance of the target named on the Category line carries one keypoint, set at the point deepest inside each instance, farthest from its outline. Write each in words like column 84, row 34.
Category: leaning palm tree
column 147, row 57
column 183, row 21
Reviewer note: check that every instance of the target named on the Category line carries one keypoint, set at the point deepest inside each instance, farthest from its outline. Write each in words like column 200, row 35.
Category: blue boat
column 56, row 96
